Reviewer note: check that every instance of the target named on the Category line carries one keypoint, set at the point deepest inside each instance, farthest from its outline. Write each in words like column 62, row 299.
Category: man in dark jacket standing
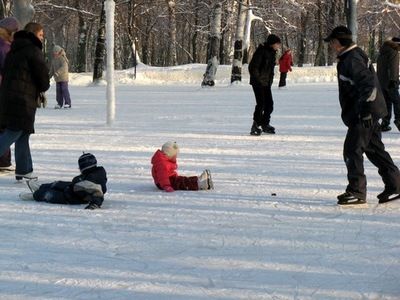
column 362, row 106
column 261, row 70
column 25, row 75
column 388, row 75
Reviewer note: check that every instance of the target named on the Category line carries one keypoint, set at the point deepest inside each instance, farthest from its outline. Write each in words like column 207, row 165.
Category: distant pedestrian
column 388, row 74
column 362, row 105
column 8, row 26
column 285, row 66
column 25, row 75
column 59, row 69
column 261, row 68
column 165, row 174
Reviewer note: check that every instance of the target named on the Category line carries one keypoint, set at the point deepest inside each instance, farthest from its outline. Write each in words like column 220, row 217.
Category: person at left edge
column 25, row 75
column 8, row 27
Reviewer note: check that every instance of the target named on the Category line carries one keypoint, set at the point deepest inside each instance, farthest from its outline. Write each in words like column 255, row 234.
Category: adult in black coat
column 388, row 75
column 261, row 68
column 25, row 75
column 362, row 106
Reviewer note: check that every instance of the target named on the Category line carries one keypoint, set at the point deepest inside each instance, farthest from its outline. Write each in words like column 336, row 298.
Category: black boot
column 397, row 123
column 348, row 198
column 268, row 129
column 255, row 129
column 385, row 127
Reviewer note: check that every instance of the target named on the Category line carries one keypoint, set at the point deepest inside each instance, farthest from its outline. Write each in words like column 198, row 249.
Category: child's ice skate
column 33, row 185
column 205, row 181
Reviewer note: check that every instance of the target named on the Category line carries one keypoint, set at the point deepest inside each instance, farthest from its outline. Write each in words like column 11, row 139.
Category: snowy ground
column 235, row 242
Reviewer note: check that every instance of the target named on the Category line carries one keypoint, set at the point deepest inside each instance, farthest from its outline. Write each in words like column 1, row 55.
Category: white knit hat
column 170, row 149
column 57, row 49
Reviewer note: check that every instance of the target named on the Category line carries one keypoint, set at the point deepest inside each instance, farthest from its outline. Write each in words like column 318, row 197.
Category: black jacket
column 25, row 75
column 90, row 186
column 86, row 188
column 261, row 66
column 388, row 64
column 359, row 90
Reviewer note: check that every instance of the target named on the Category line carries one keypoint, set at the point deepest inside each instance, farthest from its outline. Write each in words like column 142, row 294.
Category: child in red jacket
column 166, row 177
column 285, row 65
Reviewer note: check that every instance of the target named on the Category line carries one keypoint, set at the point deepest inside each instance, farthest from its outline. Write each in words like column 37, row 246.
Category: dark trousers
column 23, row 159
column 62, row 93
column 392, row 99
column 184, row 183
column 264, row 105
column 57, row 192
column 282, row 79
column 5, row 159
column 361, row 140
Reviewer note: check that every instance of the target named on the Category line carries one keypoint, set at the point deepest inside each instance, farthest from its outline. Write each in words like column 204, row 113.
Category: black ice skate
column 387, row 196
column 348, row 198
column 397, row 123
column 255, row 129
column 385, row 127
column 268, row 129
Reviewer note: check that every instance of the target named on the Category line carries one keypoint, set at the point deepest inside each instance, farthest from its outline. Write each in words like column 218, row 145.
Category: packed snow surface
column 271, row 229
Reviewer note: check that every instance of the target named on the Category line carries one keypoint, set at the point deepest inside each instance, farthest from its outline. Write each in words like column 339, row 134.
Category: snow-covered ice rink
column 235, row 242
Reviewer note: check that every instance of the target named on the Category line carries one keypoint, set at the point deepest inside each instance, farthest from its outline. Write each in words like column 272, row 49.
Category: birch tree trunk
column 331, row 57
column 4, row 8
column 301, row 47
column 132, row 32
column 100, row 47
column 320, row 54
column 23, row 11
column 215, row 38
column 172, row 56
column 238, row 46
column 351, row 16
column 82, row 41
column 250, row 17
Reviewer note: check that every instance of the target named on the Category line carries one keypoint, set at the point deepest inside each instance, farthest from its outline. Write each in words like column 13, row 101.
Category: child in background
column 285, row 66
column 59, row 69
column 87, row 188
column 165, row 175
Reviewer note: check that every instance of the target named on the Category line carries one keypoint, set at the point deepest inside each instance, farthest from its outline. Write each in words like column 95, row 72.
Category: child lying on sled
column 165, row 175
column 87, row 188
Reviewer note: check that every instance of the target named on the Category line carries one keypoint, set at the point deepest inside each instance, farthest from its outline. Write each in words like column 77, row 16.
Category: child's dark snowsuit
column 87, row 188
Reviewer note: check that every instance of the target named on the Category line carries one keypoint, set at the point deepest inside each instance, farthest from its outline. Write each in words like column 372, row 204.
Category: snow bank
column 193, row 75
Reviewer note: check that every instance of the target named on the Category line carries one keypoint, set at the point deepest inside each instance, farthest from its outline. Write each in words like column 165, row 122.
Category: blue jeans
column 23, row 159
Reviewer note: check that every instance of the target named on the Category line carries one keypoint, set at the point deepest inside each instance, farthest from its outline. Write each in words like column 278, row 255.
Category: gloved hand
column 169, row 189
column 92, row 206
column 367, row 121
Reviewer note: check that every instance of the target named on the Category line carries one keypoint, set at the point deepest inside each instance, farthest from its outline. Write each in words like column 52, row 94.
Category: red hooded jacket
column 285, row 62
column 163, row 168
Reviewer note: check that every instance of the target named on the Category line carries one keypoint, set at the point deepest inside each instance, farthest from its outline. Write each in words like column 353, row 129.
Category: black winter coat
column 359, row 90
column 388, row 64
column 91, row 186
column 261, row 66
column 25, row 75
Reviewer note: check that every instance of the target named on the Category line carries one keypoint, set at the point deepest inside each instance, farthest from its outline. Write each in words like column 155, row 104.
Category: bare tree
column 172, row 59
column 100, row 46
column 215, row 36
column 238, row 47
